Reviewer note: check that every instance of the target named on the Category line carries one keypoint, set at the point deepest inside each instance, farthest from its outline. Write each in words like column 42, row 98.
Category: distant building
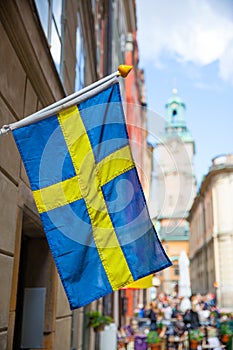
column 174, row 187
column 211, row 233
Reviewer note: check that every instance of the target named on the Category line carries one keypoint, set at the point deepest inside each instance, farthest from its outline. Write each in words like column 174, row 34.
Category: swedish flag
column 89, row 197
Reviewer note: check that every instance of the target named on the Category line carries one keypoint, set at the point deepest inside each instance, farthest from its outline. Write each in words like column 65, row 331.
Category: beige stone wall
column 12, row 86
column 211, row 242
column 176, row 182
column 63, row 327
column 25, row 87
column 197, row 229
column 78, row 328
column 210, row 263
column 223, row 203
column 202, row 270
column 208, row 208
column 198, row 273
column 6, row 265
column 201, row 243
column 223, row 230
column 225, row 289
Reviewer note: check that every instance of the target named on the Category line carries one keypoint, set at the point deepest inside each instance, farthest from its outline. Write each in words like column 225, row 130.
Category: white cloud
column 205, row 86
column 191, row 31
column 226, row 63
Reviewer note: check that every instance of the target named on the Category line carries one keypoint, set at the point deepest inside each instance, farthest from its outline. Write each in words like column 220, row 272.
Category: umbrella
column 184, row 281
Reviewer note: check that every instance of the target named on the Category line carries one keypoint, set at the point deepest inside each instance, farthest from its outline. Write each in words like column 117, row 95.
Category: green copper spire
column 175, row 121
column 175, row 111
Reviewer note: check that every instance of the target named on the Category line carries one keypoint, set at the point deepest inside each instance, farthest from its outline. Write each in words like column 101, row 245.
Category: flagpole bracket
column 124, row 70
column 76, row 97
column 5, row 129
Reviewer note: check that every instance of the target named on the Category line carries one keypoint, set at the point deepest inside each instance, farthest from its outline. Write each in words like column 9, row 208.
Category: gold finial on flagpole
column 124, row 70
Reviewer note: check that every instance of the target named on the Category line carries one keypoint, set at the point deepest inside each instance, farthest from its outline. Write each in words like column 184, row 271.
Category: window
column 174, row 116
column 50, row 13
column 176, row 270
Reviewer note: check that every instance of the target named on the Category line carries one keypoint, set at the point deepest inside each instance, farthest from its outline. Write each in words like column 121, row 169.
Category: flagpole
column 58, row 106
column 68, row 101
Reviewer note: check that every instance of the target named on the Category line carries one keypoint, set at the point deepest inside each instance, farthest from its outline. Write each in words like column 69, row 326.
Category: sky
column 188, row 44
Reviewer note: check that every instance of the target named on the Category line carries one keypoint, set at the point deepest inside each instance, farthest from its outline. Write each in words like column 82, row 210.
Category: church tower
column 175, row 186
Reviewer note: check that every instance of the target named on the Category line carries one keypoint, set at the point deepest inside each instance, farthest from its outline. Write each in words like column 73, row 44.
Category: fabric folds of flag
column 87, row 192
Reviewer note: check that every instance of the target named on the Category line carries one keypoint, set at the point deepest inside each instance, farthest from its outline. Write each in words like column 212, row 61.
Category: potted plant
column 153, row 340
column 159, row 327
column 98, row 321
column 196, row 336
column 226, row 333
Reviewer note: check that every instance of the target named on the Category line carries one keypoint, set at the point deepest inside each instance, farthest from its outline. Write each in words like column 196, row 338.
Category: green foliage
column 153, row 337
column 159, row 325
column 225, row 329
column 225, row 314
column 96, row 319
column 196, row 334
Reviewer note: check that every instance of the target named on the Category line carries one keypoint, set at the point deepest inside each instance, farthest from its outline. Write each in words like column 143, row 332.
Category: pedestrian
column 167, row 311
column 141, row 311
column 152, row 315
column 179, row 325
column 191, row 318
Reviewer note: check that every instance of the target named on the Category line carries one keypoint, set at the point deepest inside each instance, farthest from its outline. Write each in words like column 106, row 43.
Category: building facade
column 143, row 155
column 175, row 187
column 48, row 49
column 211, row 233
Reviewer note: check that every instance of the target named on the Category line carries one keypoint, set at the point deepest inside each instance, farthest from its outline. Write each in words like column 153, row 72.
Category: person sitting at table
column 191, row 318
column 129, row 329
column 179, row 325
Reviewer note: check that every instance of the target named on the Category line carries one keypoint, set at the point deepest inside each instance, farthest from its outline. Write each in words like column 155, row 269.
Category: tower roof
column 175, row 121
column 175, row 99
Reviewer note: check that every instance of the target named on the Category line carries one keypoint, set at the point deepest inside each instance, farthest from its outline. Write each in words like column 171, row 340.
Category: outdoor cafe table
column 176, row 342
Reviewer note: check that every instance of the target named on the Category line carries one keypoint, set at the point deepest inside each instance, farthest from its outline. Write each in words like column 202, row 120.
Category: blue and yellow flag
column 89, row 198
